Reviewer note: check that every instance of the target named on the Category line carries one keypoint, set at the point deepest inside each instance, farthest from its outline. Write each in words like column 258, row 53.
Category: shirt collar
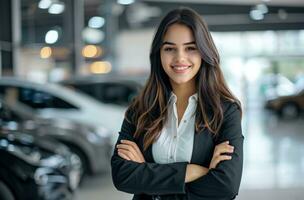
column 173, row 97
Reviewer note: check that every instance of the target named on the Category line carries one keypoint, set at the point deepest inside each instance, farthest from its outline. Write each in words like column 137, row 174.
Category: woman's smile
column 181, row 69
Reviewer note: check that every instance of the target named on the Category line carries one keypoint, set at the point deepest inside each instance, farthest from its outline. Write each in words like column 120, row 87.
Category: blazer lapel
column 203, row 147
column 148, row 153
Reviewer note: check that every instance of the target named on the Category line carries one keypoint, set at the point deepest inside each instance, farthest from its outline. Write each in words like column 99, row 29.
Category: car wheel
column 83, row 160
column 5, row 192
column 289, row 111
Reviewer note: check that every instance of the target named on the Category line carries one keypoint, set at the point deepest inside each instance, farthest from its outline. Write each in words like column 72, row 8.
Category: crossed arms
column 221, row 180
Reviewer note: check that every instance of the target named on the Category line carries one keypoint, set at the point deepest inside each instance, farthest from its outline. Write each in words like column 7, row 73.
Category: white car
column 55, row 101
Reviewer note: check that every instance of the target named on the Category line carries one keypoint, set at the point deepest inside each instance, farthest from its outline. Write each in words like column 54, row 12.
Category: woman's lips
column 180, row 68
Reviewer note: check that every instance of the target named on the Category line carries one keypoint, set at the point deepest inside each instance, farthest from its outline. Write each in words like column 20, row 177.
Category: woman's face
column 179, row 55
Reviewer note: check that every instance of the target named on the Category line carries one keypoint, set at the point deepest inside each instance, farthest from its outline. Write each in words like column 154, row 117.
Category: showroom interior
column 70, row 68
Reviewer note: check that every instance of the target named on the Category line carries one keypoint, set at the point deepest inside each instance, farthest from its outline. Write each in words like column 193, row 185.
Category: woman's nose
column 180, row 55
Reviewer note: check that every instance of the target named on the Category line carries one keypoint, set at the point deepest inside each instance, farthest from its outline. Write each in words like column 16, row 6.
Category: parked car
column 35, row 168
column 274, row 85
column 55, row 101
column 289, row 106
column 109, row 89
column 83, row 140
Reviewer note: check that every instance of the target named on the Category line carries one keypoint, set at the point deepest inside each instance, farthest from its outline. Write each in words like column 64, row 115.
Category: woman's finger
column 218, row 159
column 122, row 155
column 126, row 147
column 133, row 144
column 223, row 148
column 134, row 148
column 223, row 157
column 130, row 148
column 127, row 153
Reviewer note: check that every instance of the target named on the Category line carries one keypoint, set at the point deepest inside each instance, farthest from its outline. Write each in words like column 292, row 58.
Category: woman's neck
column 183, row 91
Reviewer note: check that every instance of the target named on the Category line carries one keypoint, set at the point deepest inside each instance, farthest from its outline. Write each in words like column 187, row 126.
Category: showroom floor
column 273, row 161
column 101, row 188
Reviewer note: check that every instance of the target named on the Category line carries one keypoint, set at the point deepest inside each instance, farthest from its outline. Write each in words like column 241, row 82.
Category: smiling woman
column 179, row 55
column 181, row 137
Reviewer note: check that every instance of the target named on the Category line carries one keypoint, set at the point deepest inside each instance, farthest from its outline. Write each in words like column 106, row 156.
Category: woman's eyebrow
column 171, row 43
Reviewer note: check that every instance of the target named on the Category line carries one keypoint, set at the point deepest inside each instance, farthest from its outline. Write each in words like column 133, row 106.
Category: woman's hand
column 194, row 171
column 218, row 151
column 129, row 150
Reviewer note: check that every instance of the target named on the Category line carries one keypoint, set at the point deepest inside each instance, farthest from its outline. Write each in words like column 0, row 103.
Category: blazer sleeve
column 223, row 182
column 145, row 178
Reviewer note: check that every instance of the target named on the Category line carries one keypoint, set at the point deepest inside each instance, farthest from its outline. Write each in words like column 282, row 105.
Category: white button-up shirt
column 175, row 143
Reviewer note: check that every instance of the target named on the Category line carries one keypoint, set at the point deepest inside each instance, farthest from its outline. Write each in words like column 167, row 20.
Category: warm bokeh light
column 45, row 52
column 100, row 67
column 91, row 51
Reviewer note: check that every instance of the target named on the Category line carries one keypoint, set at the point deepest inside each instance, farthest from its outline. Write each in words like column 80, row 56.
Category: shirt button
column 185, row 121
column 174, row 136
column 171, row 157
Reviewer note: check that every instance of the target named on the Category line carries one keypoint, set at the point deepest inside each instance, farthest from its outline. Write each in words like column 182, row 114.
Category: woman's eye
column 168, row 49
column 191, row 48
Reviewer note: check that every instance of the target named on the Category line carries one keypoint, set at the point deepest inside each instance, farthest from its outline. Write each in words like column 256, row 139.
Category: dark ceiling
column 229, row 17
column 147, row 14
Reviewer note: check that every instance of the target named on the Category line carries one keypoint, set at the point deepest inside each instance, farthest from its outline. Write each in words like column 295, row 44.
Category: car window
column 34, row 98
column 118, row 93
column 107, row 92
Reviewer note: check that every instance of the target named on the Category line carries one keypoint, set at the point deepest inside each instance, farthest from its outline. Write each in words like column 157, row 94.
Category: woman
column 181, row 137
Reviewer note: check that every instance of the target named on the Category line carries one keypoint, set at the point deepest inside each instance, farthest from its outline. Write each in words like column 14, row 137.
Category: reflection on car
column 36, row 168
column 55, row 101
column 83, row 140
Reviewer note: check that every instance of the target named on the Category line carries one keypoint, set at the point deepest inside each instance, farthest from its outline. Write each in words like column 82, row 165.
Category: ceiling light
column 96, row 22
column 51, row 37
column 100, row 67
column 256, row 15
column 45, row 52
column 93, row 36
column 282, row 14
column 44, row 4
column 262, row 7
column 91, row 51
column 258, row 12
column 125, row 2
column 56, row 8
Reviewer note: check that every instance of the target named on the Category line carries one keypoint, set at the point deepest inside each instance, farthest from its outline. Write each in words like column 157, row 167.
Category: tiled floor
column 273, row 164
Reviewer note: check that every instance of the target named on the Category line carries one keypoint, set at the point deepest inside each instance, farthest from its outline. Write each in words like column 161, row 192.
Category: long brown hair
column 150, row 107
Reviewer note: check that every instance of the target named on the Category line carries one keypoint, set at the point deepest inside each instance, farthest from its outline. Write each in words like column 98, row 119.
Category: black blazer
column 151, row 180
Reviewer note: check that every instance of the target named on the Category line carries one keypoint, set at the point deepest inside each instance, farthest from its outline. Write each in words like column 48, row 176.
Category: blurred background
column 69, row 69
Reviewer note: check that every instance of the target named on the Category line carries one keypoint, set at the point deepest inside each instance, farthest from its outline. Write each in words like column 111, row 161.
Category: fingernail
column 121, row 140
column 227, row 142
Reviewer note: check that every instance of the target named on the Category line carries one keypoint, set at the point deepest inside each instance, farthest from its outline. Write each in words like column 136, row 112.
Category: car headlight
column 44, row 176
column 52, row 161
column 32, row 154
